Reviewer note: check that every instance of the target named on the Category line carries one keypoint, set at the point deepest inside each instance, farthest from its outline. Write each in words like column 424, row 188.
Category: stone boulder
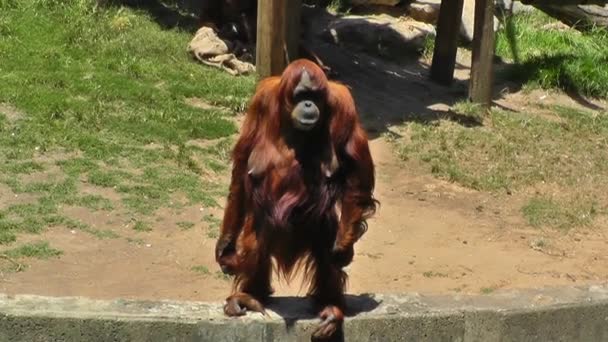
column 425, row 10
column 382, row 35
column 514, row 7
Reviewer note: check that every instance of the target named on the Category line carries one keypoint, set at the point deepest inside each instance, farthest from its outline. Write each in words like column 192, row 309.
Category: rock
column 426, row 11
column 517, row 7
column 468, row 21
column 380, row 35
column 375, row 2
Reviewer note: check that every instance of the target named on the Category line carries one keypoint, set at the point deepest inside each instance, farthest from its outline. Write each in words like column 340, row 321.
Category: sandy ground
column 429, row 236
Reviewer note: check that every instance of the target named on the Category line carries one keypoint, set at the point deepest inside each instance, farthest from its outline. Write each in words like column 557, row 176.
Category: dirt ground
column 429, row 236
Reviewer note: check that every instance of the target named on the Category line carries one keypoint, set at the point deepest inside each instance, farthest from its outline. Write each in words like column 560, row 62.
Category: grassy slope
column 562, row 158
column 554, row 58
column 96, row 96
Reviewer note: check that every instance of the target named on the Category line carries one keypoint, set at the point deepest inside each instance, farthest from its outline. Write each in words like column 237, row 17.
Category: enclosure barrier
column 556, row 314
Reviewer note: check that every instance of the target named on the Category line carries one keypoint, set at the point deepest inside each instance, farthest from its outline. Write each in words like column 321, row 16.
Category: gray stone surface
column 513, row 6
column 382, row 35
column 467, row 27
column 426, row 11
column 556, row 314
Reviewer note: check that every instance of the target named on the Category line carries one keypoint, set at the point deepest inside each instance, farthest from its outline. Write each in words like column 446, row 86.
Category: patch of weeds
column 185, row 225
column 6, row 236
column 106, row 179
column 76, row 166
column 141, row 226
column 433, row 274
column 38, row 250
column 519, row 150
column 28, row 217
column 184, row 159
column 468, row 110
column 136, row 241
column 78, row 225
column 44, row 206
column 215, row 166
column 221, row 276
column 429, row 47
column 159, row 183
column 538, row 244
column 101, row 233
column 23, row 167
column 213, row 226
column 544, row 211
column 221, row 150
column 340, row 6
column 487, row 290
column 201, row 270
column 93, row 202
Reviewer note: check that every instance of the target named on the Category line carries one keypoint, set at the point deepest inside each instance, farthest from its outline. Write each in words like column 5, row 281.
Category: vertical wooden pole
column 278, row 27
column 482, row 75
column 446, row 41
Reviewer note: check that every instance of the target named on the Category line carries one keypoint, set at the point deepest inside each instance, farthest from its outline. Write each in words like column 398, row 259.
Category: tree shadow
column 387, row 91
column 546, row 66
column 388, row 84
column 176, row 14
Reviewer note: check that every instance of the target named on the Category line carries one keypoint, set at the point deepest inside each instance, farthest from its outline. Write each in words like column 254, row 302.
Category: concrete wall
column 558, row 314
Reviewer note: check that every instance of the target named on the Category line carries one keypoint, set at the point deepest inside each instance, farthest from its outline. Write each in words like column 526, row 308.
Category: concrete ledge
column 558, row 314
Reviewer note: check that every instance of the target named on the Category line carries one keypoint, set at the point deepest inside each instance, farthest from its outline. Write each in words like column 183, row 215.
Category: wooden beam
column 278, row 26
column 482, row 74
column 446, row 41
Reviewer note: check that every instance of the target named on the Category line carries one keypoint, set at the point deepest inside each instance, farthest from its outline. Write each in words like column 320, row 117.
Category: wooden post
column 446, row 41
column 482, row 75
column 278, row 27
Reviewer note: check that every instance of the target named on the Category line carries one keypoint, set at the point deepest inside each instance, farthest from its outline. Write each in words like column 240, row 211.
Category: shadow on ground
column 175, row 14
column 293, row 309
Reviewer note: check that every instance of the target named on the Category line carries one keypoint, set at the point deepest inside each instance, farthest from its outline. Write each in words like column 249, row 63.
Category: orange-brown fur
column 297, row 196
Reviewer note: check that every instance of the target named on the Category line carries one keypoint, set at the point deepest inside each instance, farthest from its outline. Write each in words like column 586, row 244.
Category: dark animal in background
column 233, row 19
column 301, row 192
column 236, row 20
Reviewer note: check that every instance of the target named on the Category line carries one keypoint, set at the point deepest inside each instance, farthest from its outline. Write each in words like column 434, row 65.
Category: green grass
column 518, row 150
column 38, row 250
column 568, row 59
column 566, row 151
column 543, row 211
column 340, row 6
column 433, row 274
column 101, row 96
column 213, row 226
column 221, row 276
column 185, row 225
column 201, row 270
column 141, row 226
column 487, row 290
